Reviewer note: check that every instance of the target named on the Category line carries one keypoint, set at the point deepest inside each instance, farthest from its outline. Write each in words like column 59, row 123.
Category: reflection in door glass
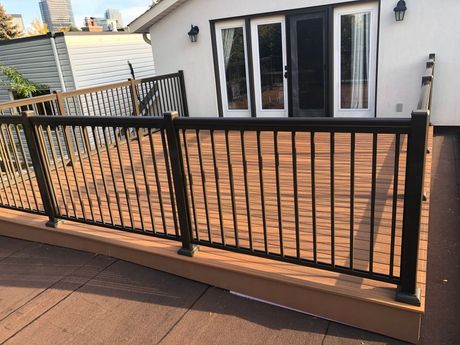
column 271, row 66
column 235, row 68
column 354, row 61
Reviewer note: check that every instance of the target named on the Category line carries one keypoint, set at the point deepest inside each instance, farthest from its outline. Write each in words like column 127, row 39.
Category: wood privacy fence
column 343, row 195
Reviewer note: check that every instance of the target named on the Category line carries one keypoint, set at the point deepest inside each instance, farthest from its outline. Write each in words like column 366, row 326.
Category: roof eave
column 143, row 23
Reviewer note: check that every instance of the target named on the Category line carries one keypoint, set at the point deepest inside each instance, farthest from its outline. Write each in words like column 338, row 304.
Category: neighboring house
column 68, row 61
column 308, row 57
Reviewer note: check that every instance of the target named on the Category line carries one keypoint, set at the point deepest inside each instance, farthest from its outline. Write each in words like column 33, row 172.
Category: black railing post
column 175, row 154
column 183, row 93
column 413, row 199
column 43, row 180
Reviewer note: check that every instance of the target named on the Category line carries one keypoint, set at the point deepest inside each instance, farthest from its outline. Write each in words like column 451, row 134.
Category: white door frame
column 257, row 77
column 222, row 75
column 371, row 8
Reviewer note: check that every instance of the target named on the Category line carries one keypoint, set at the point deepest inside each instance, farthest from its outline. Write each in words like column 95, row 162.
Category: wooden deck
column 98, row 202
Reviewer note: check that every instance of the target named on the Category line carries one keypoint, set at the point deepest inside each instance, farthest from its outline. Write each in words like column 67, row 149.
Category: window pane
column 235, row 68
column 354, row 63
column 271, row 66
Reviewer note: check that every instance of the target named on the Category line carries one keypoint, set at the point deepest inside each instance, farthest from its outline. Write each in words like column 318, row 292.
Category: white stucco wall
column 430, row 26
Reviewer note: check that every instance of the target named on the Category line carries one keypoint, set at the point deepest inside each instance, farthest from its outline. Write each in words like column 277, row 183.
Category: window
column 355, row 51
column 231, row 46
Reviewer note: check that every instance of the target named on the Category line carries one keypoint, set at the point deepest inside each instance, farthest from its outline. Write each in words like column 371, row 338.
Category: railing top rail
column 10, row 120
column 424, row 103
column 95, row 89
column 27, row 101
column 159, row 77
column 99, row 121
column 349, row 125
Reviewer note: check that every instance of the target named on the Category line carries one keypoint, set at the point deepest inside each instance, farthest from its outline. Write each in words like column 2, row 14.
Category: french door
column 308, row 64
column 269, row 61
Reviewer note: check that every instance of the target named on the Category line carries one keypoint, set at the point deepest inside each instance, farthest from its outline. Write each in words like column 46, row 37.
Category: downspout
column 58, row 64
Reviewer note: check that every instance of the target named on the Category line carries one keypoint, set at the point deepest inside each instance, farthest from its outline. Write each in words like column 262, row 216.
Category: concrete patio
column 52, row 295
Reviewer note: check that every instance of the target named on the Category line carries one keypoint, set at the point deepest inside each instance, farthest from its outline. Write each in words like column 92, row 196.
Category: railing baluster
column 296, row 193
column 217, row 177
column 114, row 181
column 133, row 172
column 246, row 189
column 157, row 179
column 262, row 190
column 395, row 201
column 332, row 171
column 352, row 197
column 29, row 174
column 278, row 192
column 203, row 184
column 123, row 176
column 61, row 153
column 190, row 184
column 313, row 195
column 140, row 139
column 168, row 164
column 98, row 144
column 232, row 189
column 373, row 196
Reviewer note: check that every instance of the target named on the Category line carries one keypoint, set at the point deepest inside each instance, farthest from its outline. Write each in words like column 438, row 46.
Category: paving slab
column 43, row 302
column 9, row 246
column 28, row 272
column 338, row 334
column 223, row 318
column 124, row 304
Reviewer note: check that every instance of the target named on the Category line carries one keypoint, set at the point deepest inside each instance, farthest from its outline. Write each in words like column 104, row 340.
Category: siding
column 103, row 59
column 34, row 59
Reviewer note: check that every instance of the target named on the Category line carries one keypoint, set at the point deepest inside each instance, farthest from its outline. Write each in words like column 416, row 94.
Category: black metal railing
column 343, row 195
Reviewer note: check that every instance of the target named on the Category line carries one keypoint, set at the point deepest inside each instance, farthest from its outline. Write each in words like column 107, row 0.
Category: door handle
column 286, row 74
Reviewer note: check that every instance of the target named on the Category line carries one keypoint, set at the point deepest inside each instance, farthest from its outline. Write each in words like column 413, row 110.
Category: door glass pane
column 354, row 63
column 235, row 68
column 271, row 66
column 310, row 63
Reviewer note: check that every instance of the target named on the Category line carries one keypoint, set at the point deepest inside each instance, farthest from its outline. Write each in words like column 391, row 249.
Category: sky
column 130, row 9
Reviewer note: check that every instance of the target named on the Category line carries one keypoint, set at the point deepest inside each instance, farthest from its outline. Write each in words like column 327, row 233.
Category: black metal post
column 415, row 171
column 43, row 180
column 175, row 154
column 183, row 93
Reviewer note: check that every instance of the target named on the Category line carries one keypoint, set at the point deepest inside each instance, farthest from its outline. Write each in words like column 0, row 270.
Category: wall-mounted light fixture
column 400, row 10
column 193, row 33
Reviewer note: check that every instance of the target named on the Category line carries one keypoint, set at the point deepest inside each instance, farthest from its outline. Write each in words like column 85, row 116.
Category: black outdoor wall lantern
column 400, row 10
column 193, row 33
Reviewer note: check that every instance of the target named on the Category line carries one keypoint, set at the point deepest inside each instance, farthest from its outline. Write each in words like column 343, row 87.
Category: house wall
column 34, row 59
column 103, row 59
column 430, row 26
